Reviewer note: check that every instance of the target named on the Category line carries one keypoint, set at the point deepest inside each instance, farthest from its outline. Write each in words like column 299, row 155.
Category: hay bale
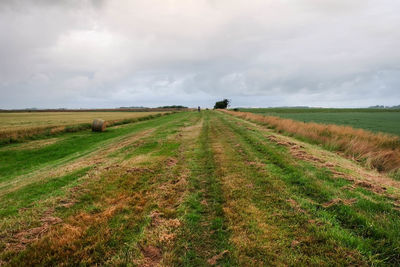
column 98, row 125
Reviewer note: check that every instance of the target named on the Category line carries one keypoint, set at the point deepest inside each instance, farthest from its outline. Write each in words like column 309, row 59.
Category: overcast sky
column 104, row 53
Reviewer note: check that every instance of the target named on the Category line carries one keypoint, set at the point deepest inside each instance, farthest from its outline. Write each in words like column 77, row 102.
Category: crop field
column 23, row 120
column 18, row 125
column 192, row 189
column 375, row 120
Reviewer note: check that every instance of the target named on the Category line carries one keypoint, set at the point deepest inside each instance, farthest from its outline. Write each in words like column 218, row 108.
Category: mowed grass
column 187, row 189
column 22, row 120
column 102, row 195
column 68, row 146
column 367, row 119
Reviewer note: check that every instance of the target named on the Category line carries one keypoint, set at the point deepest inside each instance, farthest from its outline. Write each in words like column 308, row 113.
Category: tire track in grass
column 267, row 228
column 204, row 238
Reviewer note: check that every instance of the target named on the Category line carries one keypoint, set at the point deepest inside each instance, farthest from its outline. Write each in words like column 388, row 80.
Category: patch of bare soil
column 152, row 256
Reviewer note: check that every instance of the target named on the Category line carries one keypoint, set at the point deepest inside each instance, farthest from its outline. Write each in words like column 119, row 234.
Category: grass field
column 15, row 126
column 23, row 120
column 192, row 189
column 375, row 120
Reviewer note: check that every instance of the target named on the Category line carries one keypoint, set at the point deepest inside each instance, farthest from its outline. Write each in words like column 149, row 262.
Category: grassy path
column 268, row 225
column 193, row 189
column 204, row 238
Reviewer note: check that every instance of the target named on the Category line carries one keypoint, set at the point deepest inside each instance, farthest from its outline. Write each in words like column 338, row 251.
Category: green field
column 192, row 189
column 375, row 120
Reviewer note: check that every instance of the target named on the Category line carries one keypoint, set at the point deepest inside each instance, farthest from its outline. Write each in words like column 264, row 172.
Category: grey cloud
column 258, row 53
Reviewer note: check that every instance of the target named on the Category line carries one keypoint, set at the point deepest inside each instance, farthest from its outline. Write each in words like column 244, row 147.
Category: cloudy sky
column 109, row 53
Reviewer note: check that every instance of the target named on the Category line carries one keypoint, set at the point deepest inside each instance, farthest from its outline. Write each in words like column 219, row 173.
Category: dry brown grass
column 376, row 150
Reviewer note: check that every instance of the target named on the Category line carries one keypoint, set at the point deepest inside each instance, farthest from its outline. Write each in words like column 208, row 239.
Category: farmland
column 193, row 189
column 375, row 120
column 24, row 120
column 17, row 125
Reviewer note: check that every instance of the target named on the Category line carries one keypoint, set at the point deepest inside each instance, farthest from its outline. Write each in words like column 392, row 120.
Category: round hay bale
column 98, row 125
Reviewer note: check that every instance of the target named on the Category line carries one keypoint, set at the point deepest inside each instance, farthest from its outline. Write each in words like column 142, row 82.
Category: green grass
column 114, row 239
column 27, row 196
column 232, row 194
column 71, row 145
column 279, row 181
column 317, row 110
column 205, row 233
column 375, row 120
column 370, row 225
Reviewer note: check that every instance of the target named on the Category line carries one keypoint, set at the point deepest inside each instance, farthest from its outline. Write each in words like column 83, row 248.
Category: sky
column 258, row 53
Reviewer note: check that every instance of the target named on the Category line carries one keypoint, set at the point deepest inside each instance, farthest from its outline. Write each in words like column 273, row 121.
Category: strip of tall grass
column 376, row 150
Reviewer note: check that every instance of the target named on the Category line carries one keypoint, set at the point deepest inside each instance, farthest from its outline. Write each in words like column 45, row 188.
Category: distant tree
column 222, row 104
column 173, row 106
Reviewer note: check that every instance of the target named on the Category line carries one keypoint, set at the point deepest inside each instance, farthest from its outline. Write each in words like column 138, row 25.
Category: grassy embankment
column 18, row 126
column 375, row 150
column 192, row 189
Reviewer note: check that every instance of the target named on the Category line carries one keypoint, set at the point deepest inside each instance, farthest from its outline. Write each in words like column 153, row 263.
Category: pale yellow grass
column 23, row 120
column 17, row 126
